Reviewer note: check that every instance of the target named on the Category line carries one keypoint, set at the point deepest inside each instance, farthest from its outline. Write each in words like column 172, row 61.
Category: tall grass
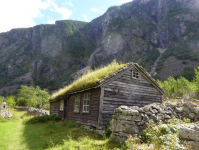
column 90, row 79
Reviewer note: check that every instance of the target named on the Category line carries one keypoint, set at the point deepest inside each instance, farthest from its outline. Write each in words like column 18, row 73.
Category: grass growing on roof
column 90, row 79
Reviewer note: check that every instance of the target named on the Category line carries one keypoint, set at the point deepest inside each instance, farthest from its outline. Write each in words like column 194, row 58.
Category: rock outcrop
column 138, row 31
column 129, row 120
column 36, row 112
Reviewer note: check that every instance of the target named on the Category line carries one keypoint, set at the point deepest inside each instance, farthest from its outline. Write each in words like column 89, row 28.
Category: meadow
column 18, row 134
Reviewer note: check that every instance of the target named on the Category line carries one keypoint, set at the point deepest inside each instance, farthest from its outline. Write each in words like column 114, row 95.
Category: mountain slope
column 137, row 31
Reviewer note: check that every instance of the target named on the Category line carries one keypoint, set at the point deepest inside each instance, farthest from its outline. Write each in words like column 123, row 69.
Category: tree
column 181, row 87
column 32, row 97
column 10, row 100
column 42, row 97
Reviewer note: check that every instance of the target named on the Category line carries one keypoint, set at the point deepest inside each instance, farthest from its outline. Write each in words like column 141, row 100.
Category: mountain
column 160, row 35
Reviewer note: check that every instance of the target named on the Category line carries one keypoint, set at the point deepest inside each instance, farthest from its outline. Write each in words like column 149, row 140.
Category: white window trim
column 138, row 75
column 87, row 106
column 77, row 98
column 62, row 105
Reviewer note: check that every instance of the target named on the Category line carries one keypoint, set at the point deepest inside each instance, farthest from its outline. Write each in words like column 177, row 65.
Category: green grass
column 18, row 135
column 90, row 79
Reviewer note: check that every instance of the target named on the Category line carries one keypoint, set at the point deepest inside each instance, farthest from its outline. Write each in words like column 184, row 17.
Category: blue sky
column 28, row 13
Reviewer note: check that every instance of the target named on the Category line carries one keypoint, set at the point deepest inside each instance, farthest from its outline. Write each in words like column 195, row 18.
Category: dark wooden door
column 65, row 109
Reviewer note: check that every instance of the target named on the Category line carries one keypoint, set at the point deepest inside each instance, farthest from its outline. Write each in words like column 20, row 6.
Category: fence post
column 1, row 104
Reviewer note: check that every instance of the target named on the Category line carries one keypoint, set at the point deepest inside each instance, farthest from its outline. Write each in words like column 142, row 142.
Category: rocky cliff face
column 145, row 31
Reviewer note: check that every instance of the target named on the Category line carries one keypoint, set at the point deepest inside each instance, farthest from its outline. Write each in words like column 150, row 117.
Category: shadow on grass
column 64, row 135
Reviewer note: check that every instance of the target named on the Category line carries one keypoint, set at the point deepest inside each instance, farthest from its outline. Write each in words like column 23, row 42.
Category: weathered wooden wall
column 125, row 90
column 55, row 109
column 90, row 118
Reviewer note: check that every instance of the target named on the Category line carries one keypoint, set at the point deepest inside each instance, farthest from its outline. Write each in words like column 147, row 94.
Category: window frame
column 86, row 99
column 77, row 100
column 61, row 108
column 137, row 76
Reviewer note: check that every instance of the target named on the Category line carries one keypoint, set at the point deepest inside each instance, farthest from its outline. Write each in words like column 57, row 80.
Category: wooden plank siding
column 125, row 90
column 90, row 118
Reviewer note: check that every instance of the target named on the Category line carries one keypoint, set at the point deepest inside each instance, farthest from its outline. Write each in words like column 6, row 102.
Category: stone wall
column 21, row 108
column 129, row 120
column 36, row 112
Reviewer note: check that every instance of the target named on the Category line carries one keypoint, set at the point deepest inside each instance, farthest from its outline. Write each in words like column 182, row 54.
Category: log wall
column 55, row 109
column 90, row 118
column 126, row 90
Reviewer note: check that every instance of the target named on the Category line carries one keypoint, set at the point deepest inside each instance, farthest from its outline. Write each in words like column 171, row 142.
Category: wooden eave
column 58, row 98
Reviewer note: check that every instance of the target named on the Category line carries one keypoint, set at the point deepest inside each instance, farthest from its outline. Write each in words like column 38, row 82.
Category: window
column 77, row 103
column 86, row 102
column 61, row 105
column 135, row 75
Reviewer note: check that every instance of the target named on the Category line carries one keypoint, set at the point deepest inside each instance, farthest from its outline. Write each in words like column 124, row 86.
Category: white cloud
column 85, row 17
column 51, row 21
column 70, row 4
column 66, row 13
column 125, row 1
column 19, row 14
column 95, row 10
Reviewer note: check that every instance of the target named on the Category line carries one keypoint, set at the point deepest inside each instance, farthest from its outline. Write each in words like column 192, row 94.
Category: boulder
column 191, row 116
column 170, row 104
column 118, row 110
column 196, row 128
column 178, row 110
column 167, row 116
column 193, row 145
column 189, row 105
column 196, row 110
column 179, row 103
column 189, row 134
column 6, row 113
column 134, row 108
column 155, row 111
column 124, row 107
column 130, row 112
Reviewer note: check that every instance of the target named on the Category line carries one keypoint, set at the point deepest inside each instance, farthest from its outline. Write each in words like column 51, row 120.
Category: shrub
column 43, row 119
column 107, row 131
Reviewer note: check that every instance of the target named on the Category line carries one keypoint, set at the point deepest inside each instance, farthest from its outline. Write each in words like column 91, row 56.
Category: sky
column 28, row 13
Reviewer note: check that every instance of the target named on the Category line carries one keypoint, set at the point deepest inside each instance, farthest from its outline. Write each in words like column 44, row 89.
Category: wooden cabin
column 94, row 105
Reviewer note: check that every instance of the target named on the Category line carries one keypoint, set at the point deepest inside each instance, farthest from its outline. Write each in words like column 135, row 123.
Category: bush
column 107, row 131
column 43, row 119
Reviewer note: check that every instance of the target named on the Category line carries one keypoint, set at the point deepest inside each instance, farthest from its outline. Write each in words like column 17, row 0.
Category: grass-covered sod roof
column 91, row 79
